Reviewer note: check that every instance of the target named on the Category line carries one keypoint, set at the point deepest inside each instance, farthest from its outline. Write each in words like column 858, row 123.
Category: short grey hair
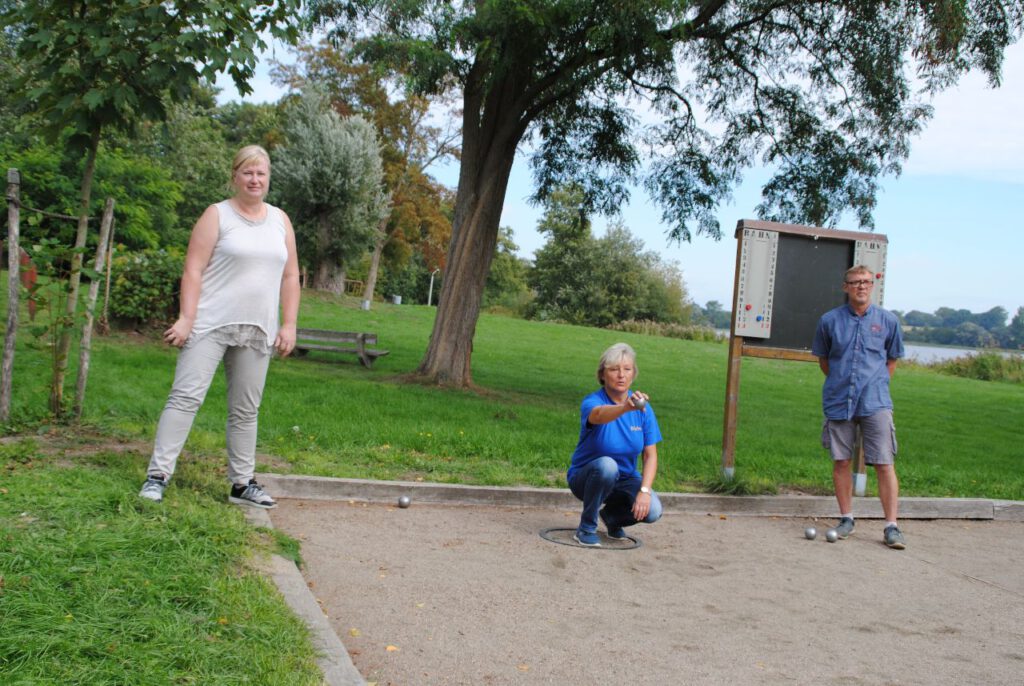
column 615, row 354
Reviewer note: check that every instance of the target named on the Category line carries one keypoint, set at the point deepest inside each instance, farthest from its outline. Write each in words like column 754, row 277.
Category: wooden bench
column 339, row 342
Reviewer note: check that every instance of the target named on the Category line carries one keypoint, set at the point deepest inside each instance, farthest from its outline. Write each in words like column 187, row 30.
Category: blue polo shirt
column 858, row 349
column 622, row 440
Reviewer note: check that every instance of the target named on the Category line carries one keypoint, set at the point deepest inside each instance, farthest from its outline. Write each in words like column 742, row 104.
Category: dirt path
column 438, row 594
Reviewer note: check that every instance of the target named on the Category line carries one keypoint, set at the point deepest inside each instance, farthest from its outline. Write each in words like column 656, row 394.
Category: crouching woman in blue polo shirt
column 616, row 426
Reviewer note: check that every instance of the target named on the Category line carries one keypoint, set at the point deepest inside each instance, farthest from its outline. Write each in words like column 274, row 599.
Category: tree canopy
column 592, row 281
column 410, row 144
column 948, row 326
column 329, row 174
column 89, row 65
column 822, row 93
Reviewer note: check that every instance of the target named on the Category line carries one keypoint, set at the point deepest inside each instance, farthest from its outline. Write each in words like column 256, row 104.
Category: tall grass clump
column 690, row 332
column 985, row 366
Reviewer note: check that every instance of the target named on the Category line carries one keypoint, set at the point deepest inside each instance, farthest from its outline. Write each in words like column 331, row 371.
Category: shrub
column 986, row 366
column 144, row 286
column 669, row 330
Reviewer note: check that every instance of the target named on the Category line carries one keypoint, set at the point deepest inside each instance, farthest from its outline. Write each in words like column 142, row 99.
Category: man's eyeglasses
column 862, row 282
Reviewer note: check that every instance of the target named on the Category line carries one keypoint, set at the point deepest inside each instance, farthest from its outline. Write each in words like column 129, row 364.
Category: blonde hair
column 248, row 155
column 613, row 355
column 859, row 269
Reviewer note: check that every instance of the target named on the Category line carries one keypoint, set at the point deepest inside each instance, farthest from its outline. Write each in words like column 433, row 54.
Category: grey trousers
column 246, row 372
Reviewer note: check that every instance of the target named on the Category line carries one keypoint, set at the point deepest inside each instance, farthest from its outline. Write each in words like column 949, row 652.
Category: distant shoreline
column 927, row 353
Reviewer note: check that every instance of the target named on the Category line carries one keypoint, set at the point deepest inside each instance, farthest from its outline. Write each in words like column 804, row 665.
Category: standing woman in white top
column 240, row 272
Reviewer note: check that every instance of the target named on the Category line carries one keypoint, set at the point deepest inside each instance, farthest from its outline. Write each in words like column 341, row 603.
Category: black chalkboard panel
column 808, row 283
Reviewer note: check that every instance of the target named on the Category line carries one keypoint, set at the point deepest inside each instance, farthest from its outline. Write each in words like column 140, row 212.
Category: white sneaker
column 153, row 489
column 252, row 495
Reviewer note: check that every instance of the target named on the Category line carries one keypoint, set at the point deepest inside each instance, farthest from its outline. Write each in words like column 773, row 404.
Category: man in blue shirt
column 857, row 345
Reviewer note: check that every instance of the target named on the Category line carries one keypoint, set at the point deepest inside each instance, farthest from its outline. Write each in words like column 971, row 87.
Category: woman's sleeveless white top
column 241, row 286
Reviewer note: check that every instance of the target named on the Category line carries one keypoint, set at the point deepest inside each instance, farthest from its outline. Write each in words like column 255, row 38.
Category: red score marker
column 749, row 307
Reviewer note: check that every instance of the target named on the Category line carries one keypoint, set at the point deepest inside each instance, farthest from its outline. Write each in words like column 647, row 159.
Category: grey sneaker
column 153, row 489
column 845, row 527
column 894, row 537
column 251, row 494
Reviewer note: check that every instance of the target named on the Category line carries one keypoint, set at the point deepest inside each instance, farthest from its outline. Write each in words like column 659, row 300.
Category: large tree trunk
column 60, row 366
column 328, row 275
column 488, row 150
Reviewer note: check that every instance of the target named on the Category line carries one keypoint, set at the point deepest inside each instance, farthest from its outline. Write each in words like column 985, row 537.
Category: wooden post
column 85, row 347
column 13, row 283
column 732, row 382
column 103, row 325
column 732, row 397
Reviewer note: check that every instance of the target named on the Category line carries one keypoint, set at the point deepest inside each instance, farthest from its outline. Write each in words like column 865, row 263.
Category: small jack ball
column 639, row 403
column 831, row 536
column 404, row 501
column 811, row 533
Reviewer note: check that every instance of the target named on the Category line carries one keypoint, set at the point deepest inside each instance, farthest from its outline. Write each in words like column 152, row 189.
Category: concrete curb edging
column 325, row 488
column 1008, row 510
column 332, row 657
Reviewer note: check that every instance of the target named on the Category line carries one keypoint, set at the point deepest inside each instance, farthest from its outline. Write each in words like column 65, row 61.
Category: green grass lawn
column 327, row 415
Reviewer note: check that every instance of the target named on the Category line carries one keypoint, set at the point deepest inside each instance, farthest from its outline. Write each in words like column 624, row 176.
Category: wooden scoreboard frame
column 787, row 276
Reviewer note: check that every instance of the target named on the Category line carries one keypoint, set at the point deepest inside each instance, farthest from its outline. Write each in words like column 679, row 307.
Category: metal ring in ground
column 628, row 543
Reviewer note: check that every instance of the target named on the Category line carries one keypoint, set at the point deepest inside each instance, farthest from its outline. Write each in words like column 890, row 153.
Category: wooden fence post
column 103, row 324
column 13, row 269
column 85, row 347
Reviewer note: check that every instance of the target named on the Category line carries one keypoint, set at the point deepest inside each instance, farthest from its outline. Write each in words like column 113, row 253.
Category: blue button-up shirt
column 858, row 349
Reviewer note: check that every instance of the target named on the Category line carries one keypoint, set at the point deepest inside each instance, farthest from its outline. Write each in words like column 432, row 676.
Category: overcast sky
column 953, row 219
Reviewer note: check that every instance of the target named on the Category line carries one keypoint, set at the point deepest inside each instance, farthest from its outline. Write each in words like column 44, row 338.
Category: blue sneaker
column 587, row 538
column 614, row 532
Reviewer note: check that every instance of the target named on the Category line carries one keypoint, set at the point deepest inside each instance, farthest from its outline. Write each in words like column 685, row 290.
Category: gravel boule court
column 472, row 594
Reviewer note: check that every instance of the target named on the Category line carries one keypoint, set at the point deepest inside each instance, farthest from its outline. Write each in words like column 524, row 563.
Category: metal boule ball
column 404, row 501
column 831, row 536
column 639, row 403
column 811, row 533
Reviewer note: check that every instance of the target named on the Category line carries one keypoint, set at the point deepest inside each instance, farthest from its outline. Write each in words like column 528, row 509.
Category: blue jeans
column 599, row 483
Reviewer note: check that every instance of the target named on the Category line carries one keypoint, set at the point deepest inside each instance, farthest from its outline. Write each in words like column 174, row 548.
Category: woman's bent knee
column 654, row 514
column 607, row 467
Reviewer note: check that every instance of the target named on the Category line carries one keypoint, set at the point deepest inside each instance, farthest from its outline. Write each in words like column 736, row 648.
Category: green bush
column 144, row 287
column 987, row 366
column 668, row 330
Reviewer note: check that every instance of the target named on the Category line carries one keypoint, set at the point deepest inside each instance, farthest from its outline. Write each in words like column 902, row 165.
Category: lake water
column 926, row 354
